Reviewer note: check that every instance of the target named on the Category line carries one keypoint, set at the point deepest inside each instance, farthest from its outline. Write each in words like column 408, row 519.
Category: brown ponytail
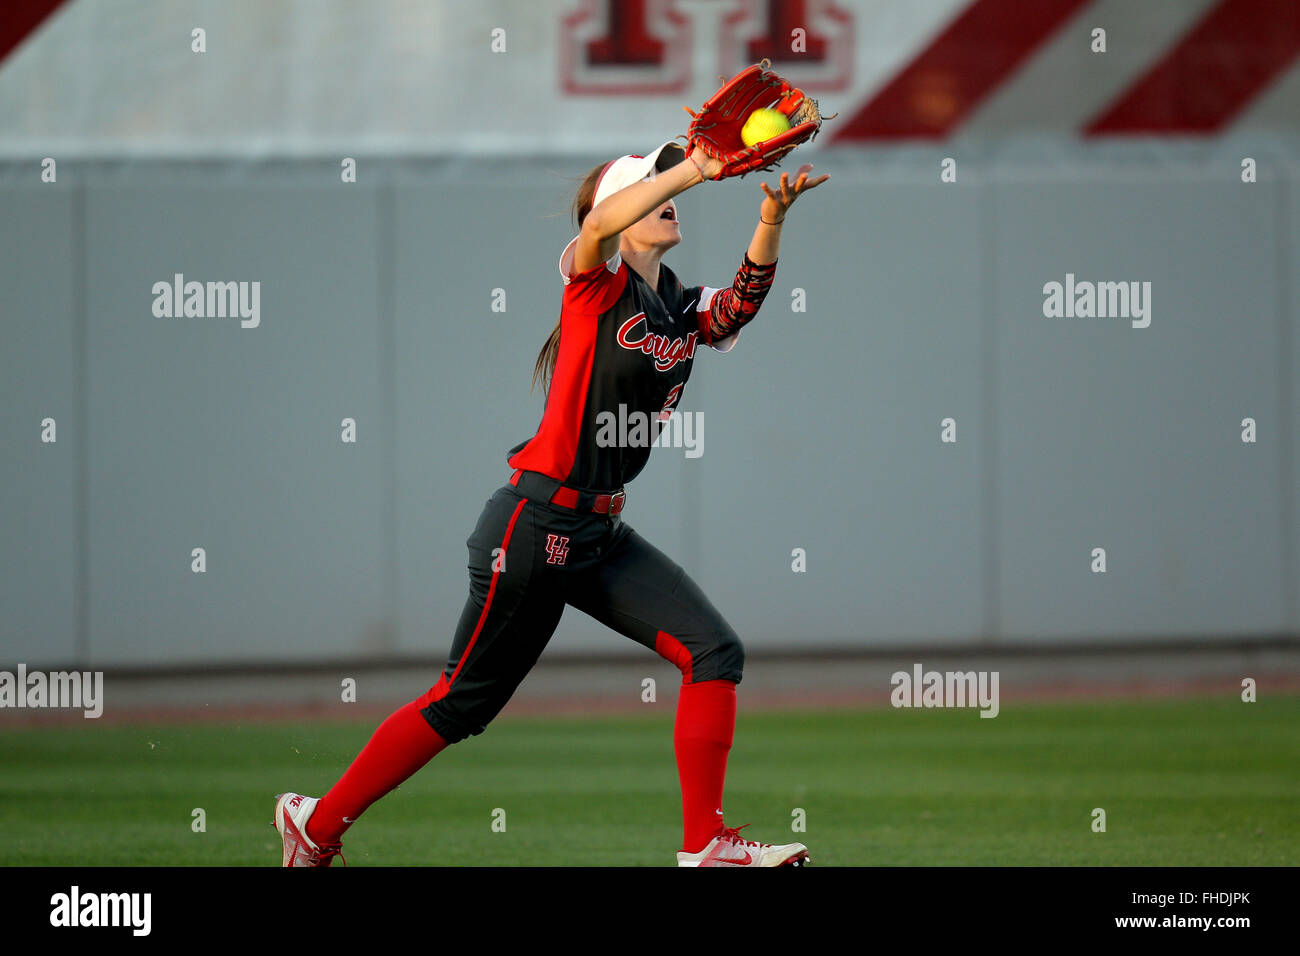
column 544, row 367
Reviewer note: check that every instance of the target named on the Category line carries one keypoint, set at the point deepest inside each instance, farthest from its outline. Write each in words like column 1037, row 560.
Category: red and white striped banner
column 508, row 77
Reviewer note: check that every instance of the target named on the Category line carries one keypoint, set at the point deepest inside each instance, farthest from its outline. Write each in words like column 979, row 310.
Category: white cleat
column 292, row 811
column 729, row 849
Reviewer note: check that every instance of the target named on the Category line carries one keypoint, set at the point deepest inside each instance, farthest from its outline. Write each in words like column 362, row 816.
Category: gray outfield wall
column 924, row 301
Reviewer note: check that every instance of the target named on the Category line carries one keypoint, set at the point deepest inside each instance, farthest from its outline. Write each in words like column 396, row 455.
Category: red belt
column 534, row 484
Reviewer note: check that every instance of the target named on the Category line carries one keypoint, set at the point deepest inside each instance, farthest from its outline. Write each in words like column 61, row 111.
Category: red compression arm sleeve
column 732, row 309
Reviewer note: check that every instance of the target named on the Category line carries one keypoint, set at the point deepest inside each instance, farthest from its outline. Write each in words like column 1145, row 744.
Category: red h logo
column 557, row 549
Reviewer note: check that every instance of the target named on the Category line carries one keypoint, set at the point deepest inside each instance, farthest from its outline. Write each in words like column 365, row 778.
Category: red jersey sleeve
column 596, row 290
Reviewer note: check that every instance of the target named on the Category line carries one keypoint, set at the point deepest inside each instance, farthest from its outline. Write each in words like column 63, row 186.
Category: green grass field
column 1191, row 782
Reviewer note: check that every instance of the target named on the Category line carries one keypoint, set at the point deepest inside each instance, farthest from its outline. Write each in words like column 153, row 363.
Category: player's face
column 658, row 228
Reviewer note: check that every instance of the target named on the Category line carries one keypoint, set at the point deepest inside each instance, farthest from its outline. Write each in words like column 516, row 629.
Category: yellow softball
column 763, row 125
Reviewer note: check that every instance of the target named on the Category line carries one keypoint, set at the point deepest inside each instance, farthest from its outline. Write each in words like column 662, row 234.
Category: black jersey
column 626, row 351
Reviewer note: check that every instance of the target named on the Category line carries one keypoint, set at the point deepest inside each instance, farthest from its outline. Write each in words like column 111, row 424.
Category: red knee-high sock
column 402, row 745
column 706, row 722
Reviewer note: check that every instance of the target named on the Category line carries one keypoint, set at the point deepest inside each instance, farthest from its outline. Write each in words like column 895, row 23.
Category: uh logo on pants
column 557, row 548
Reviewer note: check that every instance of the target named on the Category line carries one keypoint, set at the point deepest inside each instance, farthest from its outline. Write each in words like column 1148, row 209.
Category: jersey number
column 673, row 394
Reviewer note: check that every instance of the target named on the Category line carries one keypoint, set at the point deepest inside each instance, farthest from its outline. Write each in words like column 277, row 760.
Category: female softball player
column 552, row 536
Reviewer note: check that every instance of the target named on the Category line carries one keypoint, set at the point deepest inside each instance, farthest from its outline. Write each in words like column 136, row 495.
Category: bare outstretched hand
column 777, row 203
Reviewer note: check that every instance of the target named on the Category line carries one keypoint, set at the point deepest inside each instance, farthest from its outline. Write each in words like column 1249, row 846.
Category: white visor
column 626, row 170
